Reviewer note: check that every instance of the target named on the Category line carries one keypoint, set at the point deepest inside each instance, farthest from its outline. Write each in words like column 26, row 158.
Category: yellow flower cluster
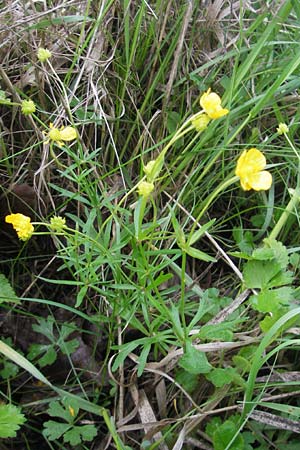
column 22, row 224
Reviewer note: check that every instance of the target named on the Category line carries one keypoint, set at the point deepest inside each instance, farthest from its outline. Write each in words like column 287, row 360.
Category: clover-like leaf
column 11, row 419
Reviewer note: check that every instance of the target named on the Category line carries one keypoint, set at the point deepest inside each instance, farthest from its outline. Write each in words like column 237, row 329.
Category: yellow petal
column 211, row 103
column 217, row 112
column 68, row 134
column 251, row 161
column 245, row 184
column 260, row 181
column 241, row 164
column 256, row 159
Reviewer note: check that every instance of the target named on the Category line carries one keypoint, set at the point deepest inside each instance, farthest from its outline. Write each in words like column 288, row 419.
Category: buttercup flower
column 201, row 122
column 21, row 224
column 211, row 103
column 249, row 169
column 61, row 135
column 282, row 128
column 43, row 54
column 57, row 224
column 145, row 188
column 28, row 107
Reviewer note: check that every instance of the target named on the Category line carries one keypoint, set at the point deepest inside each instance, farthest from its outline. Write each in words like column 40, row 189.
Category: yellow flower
column 28, row 107
column 249, row 169
column 282, row 128
column 57, row 224
column 200, row 122
column 211, row 103
column 61, row 135
column 43, row 54
column 145, row 188
column 21, row 224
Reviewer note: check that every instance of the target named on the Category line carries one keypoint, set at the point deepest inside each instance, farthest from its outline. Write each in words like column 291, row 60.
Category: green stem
column 141, row 206
column 284, row 216
column 182, row 294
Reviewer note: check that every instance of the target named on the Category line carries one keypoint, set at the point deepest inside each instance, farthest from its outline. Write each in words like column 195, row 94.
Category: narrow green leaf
column 198, row 254
column 200, row 232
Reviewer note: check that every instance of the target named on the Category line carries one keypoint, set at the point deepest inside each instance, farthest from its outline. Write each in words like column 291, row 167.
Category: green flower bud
column 43, row 54
column 57, row 224
column 28, row 107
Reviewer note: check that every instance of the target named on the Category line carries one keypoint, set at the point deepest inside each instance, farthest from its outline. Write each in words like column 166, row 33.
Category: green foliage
column 222, row 434
column 7, row 293
column 244, row 240
column 58, row 340
column 11, row 419
column 69, row 431
column 186, row 244
column 138, row 270
column 220, row 377
column 9, row 369
column 194, row 361
column 267, row 270
column 187, row 380
column 218, row 332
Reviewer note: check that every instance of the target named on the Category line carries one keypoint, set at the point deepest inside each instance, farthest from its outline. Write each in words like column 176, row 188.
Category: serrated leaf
column 57, row 410
column 66, row 330
column 7, row 294
column 271, row 300
column 49, row 356
column 279, row 251
column 78, row 434
column 281, row 279
column 263, row 254
column 69, row 347
column 220, row 377
column 194, row 361
column 9, row 370
column 217, row 332
column 258, row 274
column 88, row 432
column 244, row 240
column 11, row 419
column 224, row 434
column 54, row 430
column 212, row 425
column 45, row 327
column 241, row 363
